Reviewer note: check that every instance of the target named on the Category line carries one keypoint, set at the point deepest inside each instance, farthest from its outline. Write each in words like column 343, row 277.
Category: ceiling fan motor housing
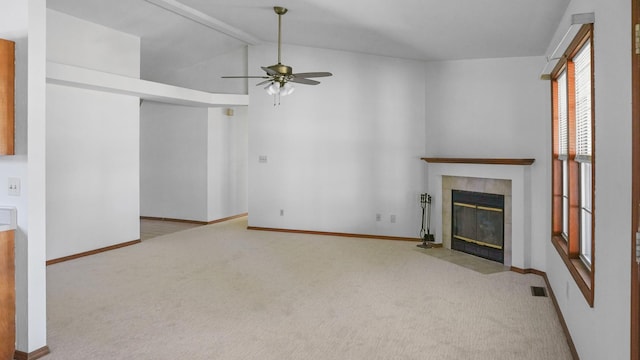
column 282, row 69
column 280, row 73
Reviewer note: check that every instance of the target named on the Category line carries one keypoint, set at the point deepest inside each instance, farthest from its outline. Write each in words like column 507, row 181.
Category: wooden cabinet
column 7, row 296
column 7, row 91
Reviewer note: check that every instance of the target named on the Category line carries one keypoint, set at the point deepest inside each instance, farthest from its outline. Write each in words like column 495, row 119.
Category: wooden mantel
column 486, row 161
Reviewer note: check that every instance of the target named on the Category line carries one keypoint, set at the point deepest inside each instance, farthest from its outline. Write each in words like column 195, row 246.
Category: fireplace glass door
column 478, row 224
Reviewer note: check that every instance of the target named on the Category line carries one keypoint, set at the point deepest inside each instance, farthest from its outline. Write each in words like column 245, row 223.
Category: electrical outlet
column 393, row 219
column 262, row 159
column 378, row 217
column 14, row 186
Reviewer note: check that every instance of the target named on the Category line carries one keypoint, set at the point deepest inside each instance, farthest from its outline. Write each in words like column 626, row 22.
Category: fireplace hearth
column 477, row 224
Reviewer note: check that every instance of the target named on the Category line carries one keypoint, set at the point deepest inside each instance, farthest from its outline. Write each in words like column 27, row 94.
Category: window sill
column 582, row 275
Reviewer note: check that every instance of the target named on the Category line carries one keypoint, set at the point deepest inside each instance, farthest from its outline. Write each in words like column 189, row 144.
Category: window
column 573, row 160
column 563, row 149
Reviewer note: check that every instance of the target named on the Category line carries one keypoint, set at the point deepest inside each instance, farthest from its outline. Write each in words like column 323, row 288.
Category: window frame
column 569, row 245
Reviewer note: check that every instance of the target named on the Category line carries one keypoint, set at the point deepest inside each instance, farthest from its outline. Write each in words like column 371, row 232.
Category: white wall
column 92, row 170
column 78, row 42
column 206, row 76
column 603, row 332
column 173, row 161
column 342, row 151
column 495, row 108
column 193, row 162
column 227, row 163
column 487, row 108
column 32, row 316
column 203, row 150
column 92, row 142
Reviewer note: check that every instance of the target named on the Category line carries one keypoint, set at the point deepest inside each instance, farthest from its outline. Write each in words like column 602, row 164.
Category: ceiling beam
column 201, row 18
column 69, row 75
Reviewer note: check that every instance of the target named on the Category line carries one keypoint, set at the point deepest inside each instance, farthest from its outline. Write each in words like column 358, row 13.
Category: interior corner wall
column 74, row 41
column 603, row 331
column 337, row 154
column 206, row 75
column 92, row 142
column 92, row 170
column 495, row 108
column 173, row 161
column 227, row 163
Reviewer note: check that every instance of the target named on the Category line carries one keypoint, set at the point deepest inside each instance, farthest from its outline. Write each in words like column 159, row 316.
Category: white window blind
column 563, row 145
column 582, row 66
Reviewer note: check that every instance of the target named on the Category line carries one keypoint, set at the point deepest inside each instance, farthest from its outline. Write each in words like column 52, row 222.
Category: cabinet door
column 7, row 87
column 7, row 296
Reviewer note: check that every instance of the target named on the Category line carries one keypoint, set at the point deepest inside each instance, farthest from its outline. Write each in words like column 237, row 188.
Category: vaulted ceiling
column 413, row 29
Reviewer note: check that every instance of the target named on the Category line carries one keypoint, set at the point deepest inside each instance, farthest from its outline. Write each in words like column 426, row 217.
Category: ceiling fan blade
column 304, row 81
column 264, row 82
column 244, row 77
column 269, row 71
column 312, row 74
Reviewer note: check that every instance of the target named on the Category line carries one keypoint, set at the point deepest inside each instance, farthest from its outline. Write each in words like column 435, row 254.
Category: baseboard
column 528, row 271
column 308, row 232
column 572, row 347
column 227, row 218
column 194, row 221
column 174, row 220
column 91, row 252
column 36, row 354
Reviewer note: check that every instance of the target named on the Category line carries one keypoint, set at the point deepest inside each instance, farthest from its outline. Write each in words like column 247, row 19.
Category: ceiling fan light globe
column 287, row 89
column 273, row 88
column 268, row 89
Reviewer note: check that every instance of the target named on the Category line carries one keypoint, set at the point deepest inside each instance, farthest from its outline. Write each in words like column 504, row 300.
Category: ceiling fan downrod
column 280, row 11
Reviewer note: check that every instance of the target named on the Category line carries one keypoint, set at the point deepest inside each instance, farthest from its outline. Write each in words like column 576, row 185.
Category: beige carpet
column 223, row 292
column 150, row 228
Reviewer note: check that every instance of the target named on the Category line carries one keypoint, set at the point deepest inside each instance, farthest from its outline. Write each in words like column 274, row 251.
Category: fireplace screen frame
column 482, row 234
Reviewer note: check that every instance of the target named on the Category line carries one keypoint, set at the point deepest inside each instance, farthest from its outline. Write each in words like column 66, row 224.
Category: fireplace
column 512, row 179
column 477, row 224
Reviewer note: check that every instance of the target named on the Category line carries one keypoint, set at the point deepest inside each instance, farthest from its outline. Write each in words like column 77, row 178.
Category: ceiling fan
column 279, row 76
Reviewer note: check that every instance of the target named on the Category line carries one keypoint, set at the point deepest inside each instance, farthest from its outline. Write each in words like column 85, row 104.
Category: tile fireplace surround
column 482, row 185
column 511, row 179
